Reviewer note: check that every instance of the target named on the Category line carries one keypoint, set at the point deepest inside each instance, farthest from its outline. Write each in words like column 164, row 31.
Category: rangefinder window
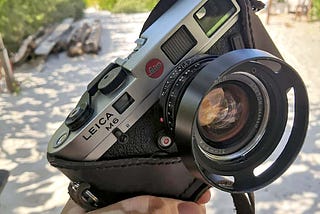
column 213, row 14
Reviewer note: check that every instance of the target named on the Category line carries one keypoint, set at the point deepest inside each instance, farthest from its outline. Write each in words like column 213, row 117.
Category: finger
column 152, row 205
column 72, row 208
column 191, row 208
column 205, row 198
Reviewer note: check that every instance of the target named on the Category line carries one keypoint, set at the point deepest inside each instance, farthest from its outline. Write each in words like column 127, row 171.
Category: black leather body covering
column 115, row 180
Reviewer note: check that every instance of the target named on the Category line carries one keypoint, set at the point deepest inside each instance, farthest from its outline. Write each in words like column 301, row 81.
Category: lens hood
column 235, row 173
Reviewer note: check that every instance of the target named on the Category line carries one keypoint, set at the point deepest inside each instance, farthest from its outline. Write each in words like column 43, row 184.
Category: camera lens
column 223, row 113
column 232, row 115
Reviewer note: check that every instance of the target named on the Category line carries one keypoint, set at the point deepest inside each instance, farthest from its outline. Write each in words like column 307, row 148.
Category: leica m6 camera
column 197, row 87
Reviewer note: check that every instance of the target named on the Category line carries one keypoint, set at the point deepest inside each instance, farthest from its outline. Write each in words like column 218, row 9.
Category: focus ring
column 176, row 83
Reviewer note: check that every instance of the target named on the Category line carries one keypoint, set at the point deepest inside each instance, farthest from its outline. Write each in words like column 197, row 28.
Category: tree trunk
column 10, row 81
column 269, row 11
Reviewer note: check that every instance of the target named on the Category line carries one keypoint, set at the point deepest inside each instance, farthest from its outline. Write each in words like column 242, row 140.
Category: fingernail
column 189, row 208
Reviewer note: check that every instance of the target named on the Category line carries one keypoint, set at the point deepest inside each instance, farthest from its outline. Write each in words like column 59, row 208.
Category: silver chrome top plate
column 94, row 138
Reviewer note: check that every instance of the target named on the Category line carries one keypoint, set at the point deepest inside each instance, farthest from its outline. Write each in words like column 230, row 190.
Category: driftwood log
column 76, row 38
column 85, row 38
column 62, row 43
column 46, row 46
column 92, row 44
column 42, row 35
column 24, row 51
column 28, row 46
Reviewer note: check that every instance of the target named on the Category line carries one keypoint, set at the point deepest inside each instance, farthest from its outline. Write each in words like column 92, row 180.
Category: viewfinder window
column 213, row 14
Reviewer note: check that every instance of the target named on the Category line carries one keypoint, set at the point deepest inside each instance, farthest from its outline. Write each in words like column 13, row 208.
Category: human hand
column 146, row 205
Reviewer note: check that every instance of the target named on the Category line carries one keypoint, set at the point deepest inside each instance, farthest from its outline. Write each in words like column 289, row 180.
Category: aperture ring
column 176, row 83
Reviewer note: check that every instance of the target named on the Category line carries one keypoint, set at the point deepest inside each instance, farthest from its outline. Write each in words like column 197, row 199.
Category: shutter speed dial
column 112, row 80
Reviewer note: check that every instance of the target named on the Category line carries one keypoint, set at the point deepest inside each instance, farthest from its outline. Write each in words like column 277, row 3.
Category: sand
column 49, row 92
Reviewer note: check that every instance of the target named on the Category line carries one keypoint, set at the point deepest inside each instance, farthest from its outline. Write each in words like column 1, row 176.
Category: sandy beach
column 49, row 92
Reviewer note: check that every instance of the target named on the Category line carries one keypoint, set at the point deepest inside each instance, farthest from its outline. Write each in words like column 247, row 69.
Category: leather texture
column 115, row 180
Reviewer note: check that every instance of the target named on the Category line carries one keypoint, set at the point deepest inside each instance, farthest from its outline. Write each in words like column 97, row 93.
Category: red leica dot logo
column 154, row 68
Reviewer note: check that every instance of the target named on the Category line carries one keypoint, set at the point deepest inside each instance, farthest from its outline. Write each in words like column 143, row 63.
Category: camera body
column 191, row 89
column 135, row 83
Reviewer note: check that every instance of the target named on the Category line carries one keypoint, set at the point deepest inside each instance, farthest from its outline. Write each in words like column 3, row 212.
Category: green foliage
column 130, row 6
column 106, row 4
column 20, row 18
column 123, row 6
column 16, row 87
column 315, row 11
column 102, row 4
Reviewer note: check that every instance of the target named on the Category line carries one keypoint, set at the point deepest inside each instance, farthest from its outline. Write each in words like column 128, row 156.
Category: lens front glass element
column 223, row 112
